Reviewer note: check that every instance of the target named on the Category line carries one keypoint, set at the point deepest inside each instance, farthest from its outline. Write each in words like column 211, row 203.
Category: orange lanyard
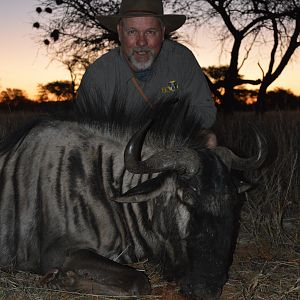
column 140, row 90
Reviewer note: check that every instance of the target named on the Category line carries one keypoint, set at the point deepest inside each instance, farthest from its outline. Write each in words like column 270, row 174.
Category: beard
column 142, row 65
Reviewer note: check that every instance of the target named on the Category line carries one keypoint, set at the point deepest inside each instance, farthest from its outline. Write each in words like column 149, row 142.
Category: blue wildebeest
column 86, row 201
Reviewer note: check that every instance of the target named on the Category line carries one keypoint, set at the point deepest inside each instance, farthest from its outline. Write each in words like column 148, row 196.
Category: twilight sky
column 24, row 63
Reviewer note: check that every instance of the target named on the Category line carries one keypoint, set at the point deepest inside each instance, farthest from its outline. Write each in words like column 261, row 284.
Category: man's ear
column 119, row 31
column 163, row 32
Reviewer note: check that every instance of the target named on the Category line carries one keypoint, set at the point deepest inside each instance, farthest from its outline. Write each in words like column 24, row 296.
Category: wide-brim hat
column 135, row 8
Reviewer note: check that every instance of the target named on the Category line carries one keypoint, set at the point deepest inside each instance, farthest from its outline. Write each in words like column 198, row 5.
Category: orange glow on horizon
column 250, row 101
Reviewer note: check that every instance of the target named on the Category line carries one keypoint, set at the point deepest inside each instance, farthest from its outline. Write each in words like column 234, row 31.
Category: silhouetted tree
column 246, row 25
column 13, row 96
column 72, row 33
column 282, row 99
column 216, row 77
column 285, row 28
column 56, row 91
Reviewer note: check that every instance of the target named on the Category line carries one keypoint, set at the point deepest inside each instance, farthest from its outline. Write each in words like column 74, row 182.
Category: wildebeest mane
column 171, row 124
column 17, row 136
column 173, row 120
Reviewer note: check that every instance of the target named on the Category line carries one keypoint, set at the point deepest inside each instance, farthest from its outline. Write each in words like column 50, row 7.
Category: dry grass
column 266, row 263
column 267, row 258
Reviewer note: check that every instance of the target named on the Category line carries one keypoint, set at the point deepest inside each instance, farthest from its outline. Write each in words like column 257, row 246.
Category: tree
column 286, row 32
column 56, row 91
column 71, row 29
column 272, row 24
column 281, row 99
column 13, row 96
column 216, row 77
column 12, row 99
column 72, row 33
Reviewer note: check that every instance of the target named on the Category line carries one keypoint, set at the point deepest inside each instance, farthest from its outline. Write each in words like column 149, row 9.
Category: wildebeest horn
column 232, row 161
column 183, row 160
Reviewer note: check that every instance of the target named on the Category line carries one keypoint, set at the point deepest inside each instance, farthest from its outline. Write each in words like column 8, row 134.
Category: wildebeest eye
column 186, row 184
column 194, row 188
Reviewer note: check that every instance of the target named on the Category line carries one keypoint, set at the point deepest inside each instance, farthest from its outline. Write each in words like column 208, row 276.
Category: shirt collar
column 128, row 74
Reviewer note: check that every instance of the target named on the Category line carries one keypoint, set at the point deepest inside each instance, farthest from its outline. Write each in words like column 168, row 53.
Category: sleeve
column 196, row 89
column 91, row 94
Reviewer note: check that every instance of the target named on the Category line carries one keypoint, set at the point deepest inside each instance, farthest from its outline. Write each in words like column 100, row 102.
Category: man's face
column 141, row 39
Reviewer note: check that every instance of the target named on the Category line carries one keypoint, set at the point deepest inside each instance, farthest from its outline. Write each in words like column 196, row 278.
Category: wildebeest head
column 187, row 163
column 199, row 218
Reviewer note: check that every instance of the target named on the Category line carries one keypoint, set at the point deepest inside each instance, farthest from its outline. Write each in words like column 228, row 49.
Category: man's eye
column 151, row 32
column 131, row 32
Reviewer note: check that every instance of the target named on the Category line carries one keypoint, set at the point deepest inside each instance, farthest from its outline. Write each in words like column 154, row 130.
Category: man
column 146, row 68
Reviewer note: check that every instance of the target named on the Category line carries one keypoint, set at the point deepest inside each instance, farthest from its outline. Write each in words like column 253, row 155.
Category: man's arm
column 197, row 90
column 90, row 100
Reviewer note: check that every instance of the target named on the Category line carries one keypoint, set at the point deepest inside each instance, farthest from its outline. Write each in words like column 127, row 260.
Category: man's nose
column 142, row 41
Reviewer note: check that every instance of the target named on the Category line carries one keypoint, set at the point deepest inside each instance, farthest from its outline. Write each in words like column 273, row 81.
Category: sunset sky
column 24, row 63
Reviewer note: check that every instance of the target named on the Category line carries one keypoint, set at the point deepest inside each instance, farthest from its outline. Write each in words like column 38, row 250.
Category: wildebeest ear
column 149, row 189
column 242, row 186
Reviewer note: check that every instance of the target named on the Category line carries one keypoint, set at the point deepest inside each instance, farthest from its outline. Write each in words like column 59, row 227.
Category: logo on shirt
column 172, row 87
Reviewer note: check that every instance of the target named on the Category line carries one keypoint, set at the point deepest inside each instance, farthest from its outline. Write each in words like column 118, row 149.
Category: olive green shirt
column 174, row 73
